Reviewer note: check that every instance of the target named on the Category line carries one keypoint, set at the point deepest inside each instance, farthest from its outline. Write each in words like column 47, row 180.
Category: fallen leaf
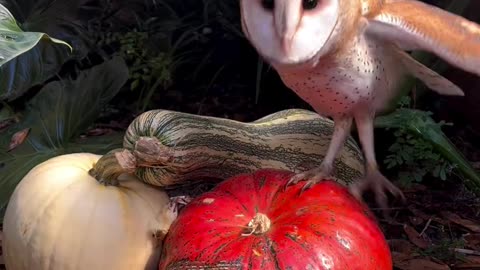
column 415, row 237
column 99, row 131
column 472, row 262
column 466, row 223
column 473, row 259
column 425, row 216
column 18, row 138
column 473, row 240
column 401, row 246
column 6, row 123
column 467, row 266
column 423, row 264
column 399, row 258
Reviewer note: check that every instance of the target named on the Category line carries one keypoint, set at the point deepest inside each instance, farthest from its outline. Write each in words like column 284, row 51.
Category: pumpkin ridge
column 44, row 207
column 302, row 245
column 52, row 247
column 132, row 191
column 241, row 241
column 328, row 241
column 275, row 187
column 207, row 249
column 91, row 215
column 237, row 199
column 273, row 252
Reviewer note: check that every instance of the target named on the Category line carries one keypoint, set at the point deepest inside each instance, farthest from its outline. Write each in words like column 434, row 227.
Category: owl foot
column 378, row 183
column 311, row 177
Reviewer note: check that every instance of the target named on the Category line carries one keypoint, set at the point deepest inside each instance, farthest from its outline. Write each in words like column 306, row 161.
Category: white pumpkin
column 60, row 218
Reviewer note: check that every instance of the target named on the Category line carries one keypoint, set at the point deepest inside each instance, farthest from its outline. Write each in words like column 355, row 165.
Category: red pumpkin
column 250, row 222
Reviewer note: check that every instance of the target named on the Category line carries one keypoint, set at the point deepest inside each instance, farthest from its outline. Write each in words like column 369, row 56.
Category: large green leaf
column 420, row 124
column 56, row 116
column 61, row 19
column 32, row 58
column 26, row 58
column 14, row 41
column 31, row 68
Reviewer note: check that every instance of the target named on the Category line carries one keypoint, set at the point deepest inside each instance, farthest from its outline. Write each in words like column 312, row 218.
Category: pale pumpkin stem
column 260, row 224
column 111, row 165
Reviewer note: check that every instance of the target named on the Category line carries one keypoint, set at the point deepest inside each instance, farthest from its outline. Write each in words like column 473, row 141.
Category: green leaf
column 436, row 171
column 6, row 113
column 420, row 124
column 134, row 84
column 56, row 116
column 14, row 41
column 26, row 58
column 64, row 20
column 41, row 33
column 418, row 177
column 443, row 174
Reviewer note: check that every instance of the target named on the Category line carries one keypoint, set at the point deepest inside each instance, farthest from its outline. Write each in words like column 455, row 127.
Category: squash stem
column 260, row 224
column 111, row 165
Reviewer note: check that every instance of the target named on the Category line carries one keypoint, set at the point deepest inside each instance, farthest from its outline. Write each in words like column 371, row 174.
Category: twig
column 426, row 226
column 466, row 251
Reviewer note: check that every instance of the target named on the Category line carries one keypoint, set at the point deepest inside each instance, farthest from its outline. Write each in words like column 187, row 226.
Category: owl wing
column 414, row 25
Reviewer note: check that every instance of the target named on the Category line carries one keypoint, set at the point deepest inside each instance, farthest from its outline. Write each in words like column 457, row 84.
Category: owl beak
column 287, row 15
column 287, row 44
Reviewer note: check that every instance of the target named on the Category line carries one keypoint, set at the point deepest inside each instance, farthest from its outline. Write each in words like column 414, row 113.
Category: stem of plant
column 113, row 164
column 260, row 224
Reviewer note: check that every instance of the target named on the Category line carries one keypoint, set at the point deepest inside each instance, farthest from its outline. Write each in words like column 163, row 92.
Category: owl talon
column 311, row 177
column 310, row 184
column 378, row 183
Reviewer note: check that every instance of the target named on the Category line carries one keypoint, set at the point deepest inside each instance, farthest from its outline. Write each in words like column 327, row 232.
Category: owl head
column 290, row 32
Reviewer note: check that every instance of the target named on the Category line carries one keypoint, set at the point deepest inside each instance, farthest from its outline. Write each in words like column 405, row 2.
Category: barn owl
column 346, row 58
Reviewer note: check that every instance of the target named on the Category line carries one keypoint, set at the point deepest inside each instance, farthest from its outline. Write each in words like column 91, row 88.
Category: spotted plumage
column 346, row 59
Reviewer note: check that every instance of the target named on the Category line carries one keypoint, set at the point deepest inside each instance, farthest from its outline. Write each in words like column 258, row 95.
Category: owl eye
column 268, row 4
column 309, row 4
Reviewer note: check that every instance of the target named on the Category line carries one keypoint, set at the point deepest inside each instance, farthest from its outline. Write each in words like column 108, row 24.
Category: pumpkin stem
column 111, row 165
column 260, row 224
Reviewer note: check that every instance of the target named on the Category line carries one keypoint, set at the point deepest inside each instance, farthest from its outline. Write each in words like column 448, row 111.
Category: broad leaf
column 64, row 20
column 30, row 69
column 30, row 57
column 14, row 41
column 26, row 58
column 56, row 116
column 420, row 124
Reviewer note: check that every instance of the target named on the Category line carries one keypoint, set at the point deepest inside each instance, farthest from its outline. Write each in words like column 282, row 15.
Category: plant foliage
column 415, row 157
column 421, row 147
column 56, row 116
column 23, row 56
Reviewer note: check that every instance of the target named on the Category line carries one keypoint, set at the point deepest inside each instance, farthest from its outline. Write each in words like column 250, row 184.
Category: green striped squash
column 174, row 148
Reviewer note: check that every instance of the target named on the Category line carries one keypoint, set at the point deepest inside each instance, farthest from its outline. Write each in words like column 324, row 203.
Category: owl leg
column 374, row 179
column 341, row 130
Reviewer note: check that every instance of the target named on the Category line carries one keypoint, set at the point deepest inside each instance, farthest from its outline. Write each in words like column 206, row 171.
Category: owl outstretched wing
column 414, row 25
